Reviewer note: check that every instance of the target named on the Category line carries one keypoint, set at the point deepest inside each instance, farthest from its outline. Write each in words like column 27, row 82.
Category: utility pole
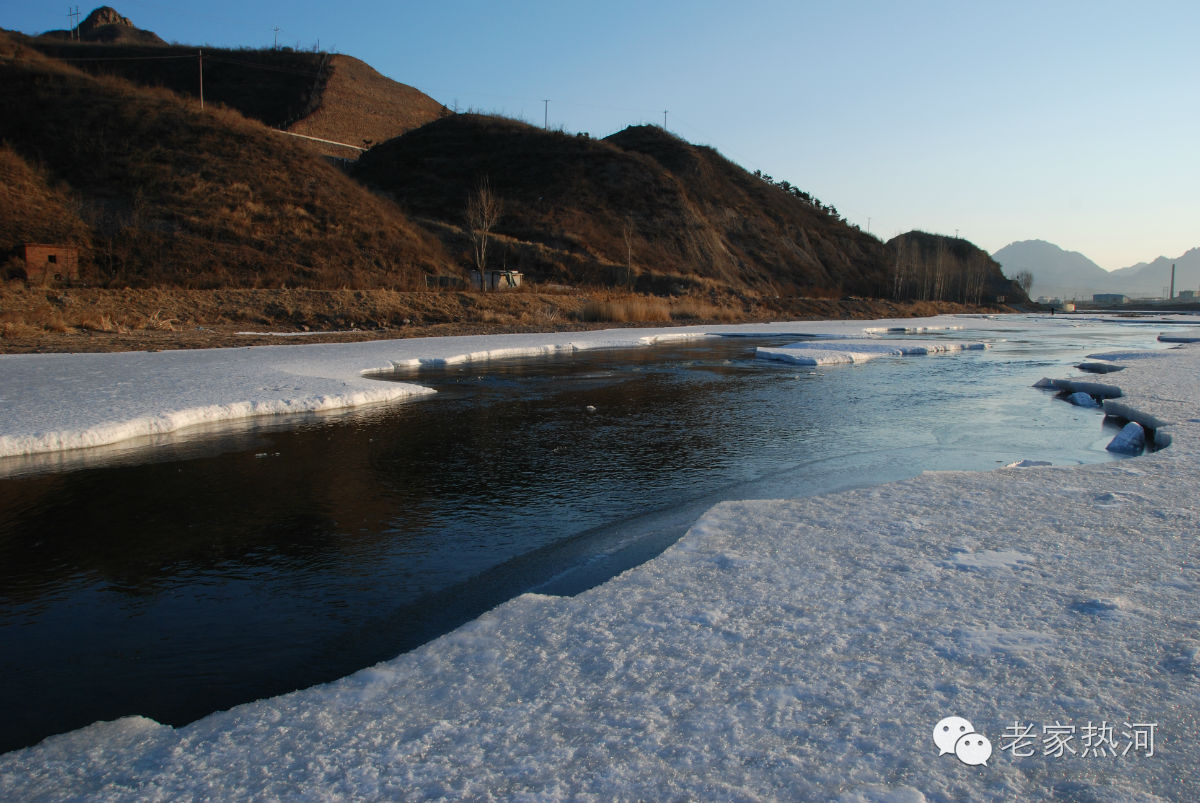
column 277, row 30
column 200, row 63
column 73, row 15
column 546, row 119
column 868, row 224
column 1172, row 282
column 664, row 119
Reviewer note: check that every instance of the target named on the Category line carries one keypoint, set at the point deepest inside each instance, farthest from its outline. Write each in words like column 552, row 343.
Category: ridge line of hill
column 153, row 192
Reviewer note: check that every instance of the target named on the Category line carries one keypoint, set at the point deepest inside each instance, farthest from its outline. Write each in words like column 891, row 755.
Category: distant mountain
column 1149, row 278
column 1069, row 274
column 1056, row 273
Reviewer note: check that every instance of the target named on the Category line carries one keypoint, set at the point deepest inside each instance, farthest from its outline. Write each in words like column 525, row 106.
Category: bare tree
column 901, row 269
column 483, row 210
column 627, row 231
column 1024, row 280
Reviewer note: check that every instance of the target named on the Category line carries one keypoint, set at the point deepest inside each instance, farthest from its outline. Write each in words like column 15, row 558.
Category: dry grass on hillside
column 175, row 195
column 629, row 209
column 358, row 106
column 33, row 208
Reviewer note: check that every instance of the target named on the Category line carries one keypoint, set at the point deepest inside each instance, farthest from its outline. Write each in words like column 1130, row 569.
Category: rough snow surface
column 782, row 650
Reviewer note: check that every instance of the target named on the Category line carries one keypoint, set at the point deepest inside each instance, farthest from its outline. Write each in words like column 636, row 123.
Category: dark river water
column 220, row 568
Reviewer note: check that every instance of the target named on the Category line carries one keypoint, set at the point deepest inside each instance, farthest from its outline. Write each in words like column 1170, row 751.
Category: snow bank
column 1096, row 390
column 796, row 650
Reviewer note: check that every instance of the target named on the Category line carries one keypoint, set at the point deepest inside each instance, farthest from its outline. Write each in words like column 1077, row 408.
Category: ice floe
column 851, row 351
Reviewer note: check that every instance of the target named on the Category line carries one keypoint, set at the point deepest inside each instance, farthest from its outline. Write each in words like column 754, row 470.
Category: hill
column 110, row 150
column 936, row 267
column 356, row 105
column 641, row 208
column 154, row 191
column 326, row 96
column 1056, row 273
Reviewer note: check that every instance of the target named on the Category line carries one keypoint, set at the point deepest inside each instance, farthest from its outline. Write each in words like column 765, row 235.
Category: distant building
column 1109, row 298
column 1187, row 295
column 498, row 279
column 50, row 263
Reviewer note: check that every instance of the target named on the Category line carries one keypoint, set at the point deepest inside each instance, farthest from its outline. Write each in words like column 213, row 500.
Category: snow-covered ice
column 781, row 650
column 857, row 350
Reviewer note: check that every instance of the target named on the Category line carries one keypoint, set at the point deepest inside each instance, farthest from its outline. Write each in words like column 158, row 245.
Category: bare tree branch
column 483, row 211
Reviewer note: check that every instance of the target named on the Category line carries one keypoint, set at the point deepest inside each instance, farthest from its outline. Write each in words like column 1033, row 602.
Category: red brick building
column 45, row 264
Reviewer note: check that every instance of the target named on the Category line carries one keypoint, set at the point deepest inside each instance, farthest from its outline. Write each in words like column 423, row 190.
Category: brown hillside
column 174, row 195
column 321, row 95
column 689, row 212
column 765, row 229
column 276, row 87
column 33, row 210
column 358, row 106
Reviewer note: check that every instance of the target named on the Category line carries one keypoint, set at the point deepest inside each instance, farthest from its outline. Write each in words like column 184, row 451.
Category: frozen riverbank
column 782, row 650
column 57, row 402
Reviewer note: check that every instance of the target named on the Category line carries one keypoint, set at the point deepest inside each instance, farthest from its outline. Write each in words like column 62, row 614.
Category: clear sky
column 1074, row 122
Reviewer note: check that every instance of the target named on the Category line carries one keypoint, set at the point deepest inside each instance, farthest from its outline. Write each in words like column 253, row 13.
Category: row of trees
column 931, row 268
column 796, row 192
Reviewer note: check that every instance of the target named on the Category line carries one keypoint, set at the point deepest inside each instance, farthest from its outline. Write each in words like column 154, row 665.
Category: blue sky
column 1073, row 122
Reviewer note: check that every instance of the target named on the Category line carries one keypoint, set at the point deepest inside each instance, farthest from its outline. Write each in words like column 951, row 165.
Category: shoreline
column 75, row 320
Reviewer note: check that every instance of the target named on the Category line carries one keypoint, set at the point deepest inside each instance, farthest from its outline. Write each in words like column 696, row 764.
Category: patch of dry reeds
column 635, row 310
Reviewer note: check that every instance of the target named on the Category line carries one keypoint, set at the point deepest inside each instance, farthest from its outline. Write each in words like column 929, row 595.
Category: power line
column 235, row 62
column 129, row 58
